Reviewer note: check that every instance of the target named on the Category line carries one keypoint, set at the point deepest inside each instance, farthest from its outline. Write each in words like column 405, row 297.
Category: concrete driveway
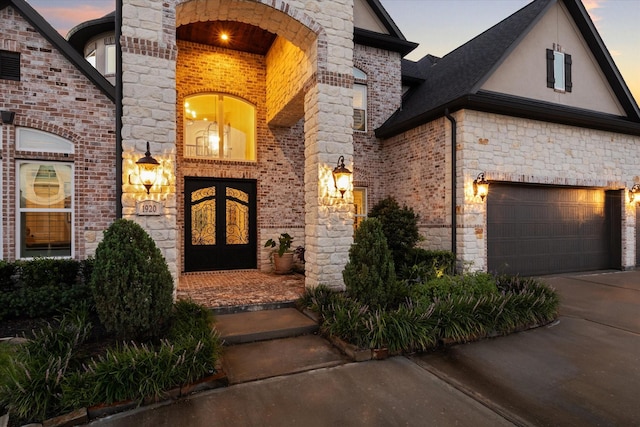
column 583, row 370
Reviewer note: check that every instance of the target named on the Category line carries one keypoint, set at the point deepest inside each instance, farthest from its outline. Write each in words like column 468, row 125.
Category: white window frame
column 360, row 86
column 109, row 59
column 558, row 71
column 20, row 210
column 28, row 139
column 365, row 208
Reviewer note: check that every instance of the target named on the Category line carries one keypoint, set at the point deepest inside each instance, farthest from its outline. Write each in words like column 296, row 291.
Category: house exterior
column 247, row 131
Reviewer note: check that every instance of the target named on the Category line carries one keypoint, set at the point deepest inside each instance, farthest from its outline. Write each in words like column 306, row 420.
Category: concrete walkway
column 377, row 393
column 583, row 370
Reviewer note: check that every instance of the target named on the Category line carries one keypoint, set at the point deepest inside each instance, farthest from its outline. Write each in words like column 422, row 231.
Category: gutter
column 454, row 222
column 118, row 34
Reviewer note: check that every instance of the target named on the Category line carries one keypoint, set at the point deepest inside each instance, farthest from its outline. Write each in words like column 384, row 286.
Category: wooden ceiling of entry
column 242, row 37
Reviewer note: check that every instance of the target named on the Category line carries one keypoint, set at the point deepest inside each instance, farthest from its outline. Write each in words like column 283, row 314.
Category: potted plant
column 283, row 257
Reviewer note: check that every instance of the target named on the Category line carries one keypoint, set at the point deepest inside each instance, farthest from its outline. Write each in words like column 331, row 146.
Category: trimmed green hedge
column 43, row 287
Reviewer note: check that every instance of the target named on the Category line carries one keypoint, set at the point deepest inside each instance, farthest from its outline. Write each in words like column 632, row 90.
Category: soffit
column 242, row 37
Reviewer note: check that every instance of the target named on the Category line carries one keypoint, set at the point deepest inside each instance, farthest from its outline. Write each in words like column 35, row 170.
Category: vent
column 9, row 65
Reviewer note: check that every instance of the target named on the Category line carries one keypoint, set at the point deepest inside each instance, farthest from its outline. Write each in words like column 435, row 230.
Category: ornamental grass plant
column 52, row 374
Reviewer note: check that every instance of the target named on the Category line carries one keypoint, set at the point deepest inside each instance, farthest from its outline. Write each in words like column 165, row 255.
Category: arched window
column 359, row 100
column 218, row 126
column 45, row 197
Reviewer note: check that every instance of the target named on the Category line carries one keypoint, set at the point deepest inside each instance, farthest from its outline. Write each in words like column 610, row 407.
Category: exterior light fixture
column 341, row 177
column 480, row 186
column 7, row 117
column 634, row 193
column 147, row 170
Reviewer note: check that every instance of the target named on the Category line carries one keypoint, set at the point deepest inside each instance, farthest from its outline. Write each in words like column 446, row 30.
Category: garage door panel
column 536, row 230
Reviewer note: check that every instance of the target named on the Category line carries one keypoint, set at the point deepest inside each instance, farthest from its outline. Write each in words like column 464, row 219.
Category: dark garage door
column 535, row 230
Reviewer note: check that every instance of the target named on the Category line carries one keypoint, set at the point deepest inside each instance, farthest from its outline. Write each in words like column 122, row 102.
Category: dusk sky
column 438, row 25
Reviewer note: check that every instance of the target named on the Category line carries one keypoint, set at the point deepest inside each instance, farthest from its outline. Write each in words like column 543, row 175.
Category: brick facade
column 54, row 96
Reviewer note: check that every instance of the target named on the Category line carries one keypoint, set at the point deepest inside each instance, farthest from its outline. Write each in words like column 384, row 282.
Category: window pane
column 91, row 58
column 45, row 234
column 110, row 56
column 35, row 140
column 359, row 205
column 45, row 186
column 558, row 70
column 219, row 127
column 359, row 107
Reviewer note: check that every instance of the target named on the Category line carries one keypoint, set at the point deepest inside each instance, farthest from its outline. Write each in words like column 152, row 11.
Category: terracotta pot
column 284, row 263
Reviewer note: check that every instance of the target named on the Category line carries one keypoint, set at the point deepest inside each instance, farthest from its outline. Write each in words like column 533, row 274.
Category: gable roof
column 49, row 33
column 454, row 81
column 394, row 41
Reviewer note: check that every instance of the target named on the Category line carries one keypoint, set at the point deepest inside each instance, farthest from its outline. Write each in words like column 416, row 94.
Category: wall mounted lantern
column 480, row 186
column 147, row 170
column 341, row 177
column 634, row 193
column 7, row 117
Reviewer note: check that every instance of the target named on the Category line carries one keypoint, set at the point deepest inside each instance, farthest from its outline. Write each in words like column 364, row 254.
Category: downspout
column 118, row 34
column 454, row 222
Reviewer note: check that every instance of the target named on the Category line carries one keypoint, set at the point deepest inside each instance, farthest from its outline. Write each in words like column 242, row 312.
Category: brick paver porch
column 240, row 287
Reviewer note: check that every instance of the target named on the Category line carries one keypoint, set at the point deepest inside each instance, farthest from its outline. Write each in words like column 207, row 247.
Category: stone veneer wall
column 280, row 151
column 519, row 150
column 53, row 96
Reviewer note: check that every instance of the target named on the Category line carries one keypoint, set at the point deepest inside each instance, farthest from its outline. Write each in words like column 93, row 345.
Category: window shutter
column 550, row 79
column 567, row 73
column 9, row 65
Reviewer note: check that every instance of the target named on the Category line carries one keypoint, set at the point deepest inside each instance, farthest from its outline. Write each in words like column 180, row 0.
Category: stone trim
column 545, row 180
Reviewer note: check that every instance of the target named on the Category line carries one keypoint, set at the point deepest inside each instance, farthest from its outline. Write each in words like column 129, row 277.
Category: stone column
column 328, row 217
column 149, row 114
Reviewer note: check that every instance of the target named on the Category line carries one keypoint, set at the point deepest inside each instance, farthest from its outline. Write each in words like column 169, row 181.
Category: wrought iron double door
column 220, row 224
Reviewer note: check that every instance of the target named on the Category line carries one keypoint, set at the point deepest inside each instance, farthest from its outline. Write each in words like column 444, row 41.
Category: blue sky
column 438, row 25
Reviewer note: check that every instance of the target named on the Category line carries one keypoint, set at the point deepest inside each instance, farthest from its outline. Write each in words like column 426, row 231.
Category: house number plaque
column 148, row 207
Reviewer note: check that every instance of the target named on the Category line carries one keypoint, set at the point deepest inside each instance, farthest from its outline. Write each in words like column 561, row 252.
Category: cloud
column 65, row 18
column 591, row 6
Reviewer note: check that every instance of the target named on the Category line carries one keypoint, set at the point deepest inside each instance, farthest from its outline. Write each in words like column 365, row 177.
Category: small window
column 45, row 205
column 9, row 65
column 35, row 140
column 559, row 70
column 110, row 59
column 359, row 100
column 91, row 58
column 359, row 206
column 218, row 126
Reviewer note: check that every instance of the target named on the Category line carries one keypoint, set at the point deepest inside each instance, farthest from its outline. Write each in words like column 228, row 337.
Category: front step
column 251, row 326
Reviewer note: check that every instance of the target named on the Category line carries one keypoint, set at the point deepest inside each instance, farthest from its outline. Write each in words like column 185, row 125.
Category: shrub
column 369, row 274
column 400, row 227
column 472, row 284
column 422, row 265
column 7, row 270
column 131, row 283
column 47, row 376
column 48, row 271
column 33, row 380
column 43, row 287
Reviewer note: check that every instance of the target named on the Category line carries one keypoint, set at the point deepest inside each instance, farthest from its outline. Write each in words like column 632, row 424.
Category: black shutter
column 9, row 65
column 550, row 79
column 567, row 73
